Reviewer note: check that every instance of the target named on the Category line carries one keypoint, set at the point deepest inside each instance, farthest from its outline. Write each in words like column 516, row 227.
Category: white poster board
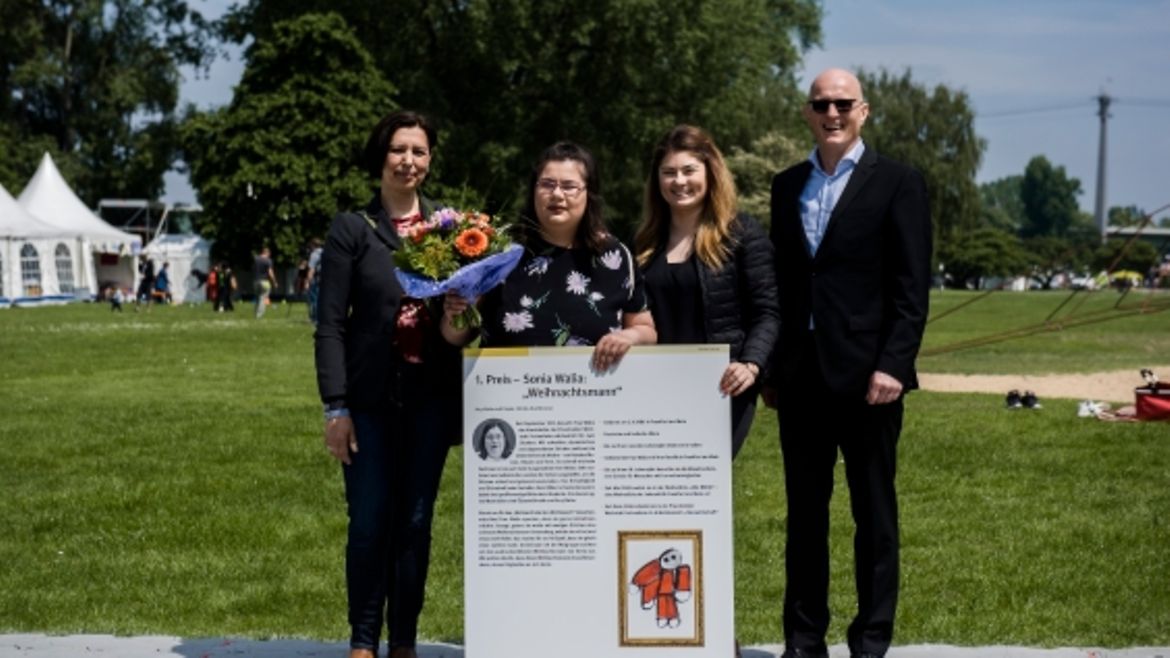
column 597, row 508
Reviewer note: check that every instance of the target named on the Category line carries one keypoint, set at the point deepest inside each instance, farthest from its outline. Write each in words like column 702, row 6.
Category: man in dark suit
column 852, row 235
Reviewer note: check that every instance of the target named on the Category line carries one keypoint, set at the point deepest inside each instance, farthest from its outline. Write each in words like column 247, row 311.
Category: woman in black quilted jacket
column 709, row 271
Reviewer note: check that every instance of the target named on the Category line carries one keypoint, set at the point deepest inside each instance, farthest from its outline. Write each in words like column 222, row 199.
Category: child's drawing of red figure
column 664, row 583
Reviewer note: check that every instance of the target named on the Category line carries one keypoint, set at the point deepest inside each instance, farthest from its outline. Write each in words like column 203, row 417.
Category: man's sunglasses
column 843, row 105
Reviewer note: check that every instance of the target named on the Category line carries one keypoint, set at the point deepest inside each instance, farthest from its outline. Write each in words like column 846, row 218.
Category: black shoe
column 803, row 653
column 1030, row 401
column 1013, row 399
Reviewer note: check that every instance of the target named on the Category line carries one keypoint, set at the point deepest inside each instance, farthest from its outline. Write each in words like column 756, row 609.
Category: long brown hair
column 713, row 238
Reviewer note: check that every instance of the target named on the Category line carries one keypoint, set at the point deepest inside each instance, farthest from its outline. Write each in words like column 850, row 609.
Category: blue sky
column 1009, row 56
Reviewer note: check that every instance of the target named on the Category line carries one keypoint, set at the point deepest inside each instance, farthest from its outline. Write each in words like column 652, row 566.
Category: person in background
column 314, row 278
column 852, row 234
column 265, row 280
column 116, row 297
column 709, row 271
column 213, row 287
column 145, row 283
column 391, row 387
column 162, row 285
column 301, row 283
column 226, row 279
column 576, row 283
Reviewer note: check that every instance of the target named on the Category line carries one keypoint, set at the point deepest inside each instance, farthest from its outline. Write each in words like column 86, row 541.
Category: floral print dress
column 559, row 296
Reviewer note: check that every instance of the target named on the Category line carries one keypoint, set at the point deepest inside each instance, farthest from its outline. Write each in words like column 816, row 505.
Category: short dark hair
column 378, row 143
column 591, row 232
column 480, row 442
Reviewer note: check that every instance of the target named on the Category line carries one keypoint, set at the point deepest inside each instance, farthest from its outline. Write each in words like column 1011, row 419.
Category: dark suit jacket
column 867, row 289
column 357, row 315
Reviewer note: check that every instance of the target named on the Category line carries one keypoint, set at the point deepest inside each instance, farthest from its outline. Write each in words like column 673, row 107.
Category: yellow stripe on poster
column 476, row 353
column 488, row 352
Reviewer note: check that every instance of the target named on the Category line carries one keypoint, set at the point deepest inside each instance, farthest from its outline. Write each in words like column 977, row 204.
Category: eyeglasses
column 569, row 188
column 843, row 105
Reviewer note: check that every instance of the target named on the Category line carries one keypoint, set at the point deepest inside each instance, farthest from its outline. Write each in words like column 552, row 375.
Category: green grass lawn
column 1132, row 336
column 163, row 473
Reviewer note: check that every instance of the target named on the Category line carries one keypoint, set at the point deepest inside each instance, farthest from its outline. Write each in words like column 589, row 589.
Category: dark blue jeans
column 390, row 488
column 314, row 295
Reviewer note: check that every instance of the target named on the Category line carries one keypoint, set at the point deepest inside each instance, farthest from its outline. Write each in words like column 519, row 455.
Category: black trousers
column 743, row 411
column 390, row 489
column 816, row 423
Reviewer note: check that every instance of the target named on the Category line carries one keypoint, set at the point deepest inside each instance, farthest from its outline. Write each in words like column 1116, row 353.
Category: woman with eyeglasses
column 576, row 284
column 391, row 388
column 709, row 270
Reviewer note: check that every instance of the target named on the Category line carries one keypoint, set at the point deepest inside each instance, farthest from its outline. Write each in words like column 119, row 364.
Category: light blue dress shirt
column 821, row 193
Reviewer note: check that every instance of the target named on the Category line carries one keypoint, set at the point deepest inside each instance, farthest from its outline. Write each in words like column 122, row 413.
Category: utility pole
column 1103, row 102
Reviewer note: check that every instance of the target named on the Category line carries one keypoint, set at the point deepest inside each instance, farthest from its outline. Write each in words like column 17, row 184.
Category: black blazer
column 868, row 287
column 357, row 313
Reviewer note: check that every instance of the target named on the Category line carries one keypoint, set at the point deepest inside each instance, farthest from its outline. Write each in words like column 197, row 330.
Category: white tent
column 185, row 252
column 36, row 260
column 108, row 257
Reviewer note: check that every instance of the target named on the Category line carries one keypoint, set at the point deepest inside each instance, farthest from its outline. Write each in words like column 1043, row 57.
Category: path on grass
column 1112, row 386
column 107, row 646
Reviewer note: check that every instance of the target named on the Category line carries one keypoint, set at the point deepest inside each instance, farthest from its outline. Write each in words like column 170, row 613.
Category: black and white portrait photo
column 494, row 440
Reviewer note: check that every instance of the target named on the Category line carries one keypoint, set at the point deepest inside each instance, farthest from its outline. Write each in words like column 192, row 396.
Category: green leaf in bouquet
column 433, row 258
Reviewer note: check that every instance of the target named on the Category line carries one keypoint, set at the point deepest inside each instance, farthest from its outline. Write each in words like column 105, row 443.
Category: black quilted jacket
column 740, row 299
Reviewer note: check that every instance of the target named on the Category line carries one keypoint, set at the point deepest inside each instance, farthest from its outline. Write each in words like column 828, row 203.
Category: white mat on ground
column 38, row 645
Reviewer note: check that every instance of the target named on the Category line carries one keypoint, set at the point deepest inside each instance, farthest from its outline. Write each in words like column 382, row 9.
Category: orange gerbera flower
column 471, row 242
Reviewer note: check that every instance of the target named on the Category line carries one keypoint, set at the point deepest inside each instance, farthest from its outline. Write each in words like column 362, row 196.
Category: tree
column 96, row 83
column 19, row 156
column 275, row 165
column 970, row 256
column 1126, row 216
column 509, row 77
column 754, row 168
column 1049, row 256
column 1050, row 199
column 1114, row 256
column 1000, row 204
column 934, row 132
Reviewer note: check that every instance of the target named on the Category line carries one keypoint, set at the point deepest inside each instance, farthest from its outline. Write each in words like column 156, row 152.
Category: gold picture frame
column 660, row 588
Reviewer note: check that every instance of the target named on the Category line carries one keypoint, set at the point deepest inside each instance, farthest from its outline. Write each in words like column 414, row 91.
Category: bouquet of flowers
column 456, row 251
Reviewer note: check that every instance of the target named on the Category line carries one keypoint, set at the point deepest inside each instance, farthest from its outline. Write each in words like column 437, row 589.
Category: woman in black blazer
column 391, row 389
column 709, row 272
